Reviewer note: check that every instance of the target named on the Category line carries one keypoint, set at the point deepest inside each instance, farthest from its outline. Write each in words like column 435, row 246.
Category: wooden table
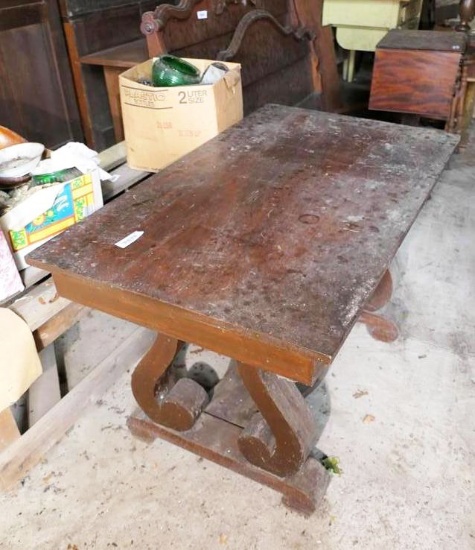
column 264, row 245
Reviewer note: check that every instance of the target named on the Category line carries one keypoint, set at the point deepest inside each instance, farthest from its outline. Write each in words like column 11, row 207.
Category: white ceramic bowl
column 19, row 160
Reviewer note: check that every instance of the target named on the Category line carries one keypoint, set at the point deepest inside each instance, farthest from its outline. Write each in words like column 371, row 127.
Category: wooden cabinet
column 91, row 27
column 420, row 73
column 37, row 97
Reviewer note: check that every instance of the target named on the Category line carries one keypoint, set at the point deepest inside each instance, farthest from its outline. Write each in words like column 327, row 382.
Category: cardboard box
column 163, row 124
column 49, row 211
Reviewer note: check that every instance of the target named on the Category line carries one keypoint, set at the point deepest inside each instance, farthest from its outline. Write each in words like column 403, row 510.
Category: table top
column 278, row 229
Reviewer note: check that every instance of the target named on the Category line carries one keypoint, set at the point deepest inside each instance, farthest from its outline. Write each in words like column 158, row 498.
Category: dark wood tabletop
column 278, row 230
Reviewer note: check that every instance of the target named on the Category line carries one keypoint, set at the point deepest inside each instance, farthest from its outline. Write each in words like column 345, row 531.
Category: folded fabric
column 20, row 364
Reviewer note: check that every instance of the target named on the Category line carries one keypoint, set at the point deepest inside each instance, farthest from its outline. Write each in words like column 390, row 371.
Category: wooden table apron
column 264, row 245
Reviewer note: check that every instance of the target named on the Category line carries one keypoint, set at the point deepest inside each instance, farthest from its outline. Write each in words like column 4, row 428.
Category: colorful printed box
column 50, row 211
column 10, row 282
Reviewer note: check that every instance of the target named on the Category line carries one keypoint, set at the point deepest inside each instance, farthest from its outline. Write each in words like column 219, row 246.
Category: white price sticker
column 203, row 14
column 127, row 241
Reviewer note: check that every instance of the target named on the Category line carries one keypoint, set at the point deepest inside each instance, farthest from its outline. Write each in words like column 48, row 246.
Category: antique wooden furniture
column 115, row 61
column 466, row 14
column 264, row 245
column 295, row 49
column 427, row 74
column 90, row 28
column 36, row 89
column 282, row 47
column 419, row 72
column 176, row 33
column 361, row 24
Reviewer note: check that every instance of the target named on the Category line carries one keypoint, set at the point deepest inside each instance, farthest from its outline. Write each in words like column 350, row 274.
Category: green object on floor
column 331, row 463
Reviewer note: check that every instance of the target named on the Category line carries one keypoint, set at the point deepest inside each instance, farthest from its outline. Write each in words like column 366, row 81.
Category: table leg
column 380, row 327
column 111, row 75
column 351, row 66
column 382, row 294
column 280, row 437
column 230, row 426
column 167, row 401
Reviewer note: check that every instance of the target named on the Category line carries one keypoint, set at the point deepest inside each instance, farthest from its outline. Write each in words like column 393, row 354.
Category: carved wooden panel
column 286, row 67
column 275, row 60
column 178, row 29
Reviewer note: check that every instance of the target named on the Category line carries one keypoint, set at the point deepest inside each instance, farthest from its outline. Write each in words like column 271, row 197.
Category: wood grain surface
column 417, row 72
column 419, row 82
column 270, row 237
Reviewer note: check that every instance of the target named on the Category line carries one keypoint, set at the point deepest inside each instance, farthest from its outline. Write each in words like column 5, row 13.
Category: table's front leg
column 281, row 436
column 173, row 403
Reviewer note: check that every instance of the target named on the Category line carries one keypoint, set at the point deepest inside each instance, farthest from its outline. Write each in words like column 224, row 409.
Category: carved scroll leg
column 380, row 327
column 280, row 437
column 174, row 404
column 382, row 294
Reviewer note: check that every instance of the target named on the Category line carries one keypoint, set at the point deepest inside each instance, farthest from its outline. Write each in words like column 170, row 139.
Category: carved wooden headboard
column 277, row 53
column 276, row 60
column 200, row 26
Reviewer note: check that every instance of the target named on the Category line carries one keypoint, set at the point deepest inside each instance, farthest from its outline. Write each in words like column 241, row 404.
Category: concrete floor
column 401, row 423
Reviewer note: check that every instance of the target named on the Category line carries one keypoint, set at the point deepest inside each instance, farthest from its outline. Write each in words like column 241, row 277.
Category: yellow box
column 50, row 211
